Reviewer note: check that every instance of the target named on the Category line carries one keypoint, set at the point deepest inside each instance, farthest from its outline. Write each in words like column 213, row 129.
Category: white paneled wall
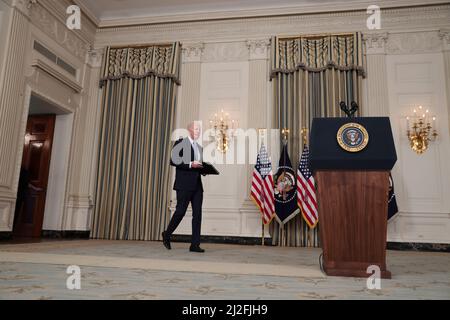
column 225, row 65
column 224, row 85
column 422, row 182
column 59, row 163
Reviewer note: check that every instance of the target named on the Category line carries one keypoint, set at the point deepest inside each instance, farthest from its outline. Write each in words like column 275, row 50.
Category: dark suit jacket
column 186, row 178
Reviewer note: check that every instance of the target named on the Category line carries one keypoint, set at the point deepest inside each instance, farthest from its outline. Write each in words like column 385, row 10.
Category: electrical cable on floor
column 321, row 263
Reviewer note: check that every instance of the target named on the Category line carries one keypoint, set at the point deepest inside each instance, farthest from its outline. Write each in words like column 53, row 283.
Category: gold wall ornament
column 222, row 130
column 285, row 134
column 304, row 135
column 421, row 129
column 352, row 137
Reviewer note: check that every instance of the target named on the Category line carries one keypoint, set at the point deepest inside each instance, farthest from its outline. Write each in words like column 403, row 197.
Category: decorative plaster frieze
column 413, row 42
column 225, row 51
column 375, row 42
column 192, row 52
column 59, row 32
column 258, row 49
column 398, row 20
column 58, row 9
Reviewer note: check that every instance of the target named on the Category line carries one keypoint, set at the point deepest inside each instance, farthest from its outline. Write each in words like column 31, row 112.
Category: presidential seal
column 352, row 137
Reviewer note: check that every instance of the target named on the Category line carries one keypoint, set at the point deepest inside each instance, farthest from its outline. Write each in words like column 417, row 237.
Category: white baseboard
column 419, row 228
column 237, row 222
column 6, row 214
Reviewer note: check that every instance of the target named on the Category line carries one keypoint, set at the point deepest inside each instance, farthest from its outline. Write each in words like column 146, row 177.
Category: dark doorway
column 30, row 205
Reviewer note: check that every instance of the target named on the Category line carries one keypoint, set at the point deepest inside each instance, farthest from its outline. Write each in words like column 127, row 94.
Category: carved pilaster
column 257, row 88
column 377, row 90
column 444, row 35
column 192, row 52
column 258, row 49
column 12, row 113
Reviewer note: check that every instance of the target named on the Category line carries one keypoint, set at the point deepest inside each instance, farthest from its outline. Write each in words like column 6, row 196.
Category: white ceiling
column 112, row 12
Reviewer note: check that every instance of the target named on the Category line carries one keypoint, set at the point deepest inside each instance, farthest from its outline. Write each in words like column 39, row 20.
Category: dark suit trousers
column 183, row 199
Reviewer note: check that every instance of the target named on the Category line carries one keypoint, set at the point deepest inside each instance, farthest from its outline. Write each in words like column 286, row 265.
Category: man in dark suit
column 187, row 158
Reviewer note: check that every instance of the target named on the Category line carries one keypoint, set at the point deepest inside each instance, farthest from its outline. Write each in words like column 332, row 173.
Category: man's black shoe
column 166, row 241
column 196, row 249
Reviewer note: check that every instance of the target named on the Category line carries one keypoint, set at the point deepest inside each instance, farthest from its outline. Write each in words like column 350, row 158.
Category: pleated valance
column 159, row 60
column 317, row 53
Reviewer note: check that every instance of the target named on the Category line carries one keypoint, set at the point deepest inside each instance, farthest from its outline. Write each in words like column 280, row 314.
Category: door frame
column 30, row 90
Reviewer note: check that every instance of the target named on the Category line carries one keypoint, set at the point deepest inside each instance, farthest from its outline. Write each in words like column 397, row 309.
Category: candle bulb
column 407, row 123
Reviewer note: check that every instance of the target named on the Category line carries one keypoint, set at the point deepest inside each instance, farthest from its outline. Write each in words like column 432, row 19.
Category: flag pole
column 303, row 133
column 262, row 234
column 285, row 133
column 261, row 133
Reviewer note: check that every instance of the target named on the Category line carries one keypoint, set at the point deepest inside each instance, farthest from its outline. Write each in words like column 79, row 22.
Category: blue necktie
column 196, row 151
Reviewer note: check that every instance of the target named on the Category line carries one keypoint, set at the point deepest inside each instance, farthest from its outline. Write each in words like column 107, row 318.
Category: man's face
column 194, row 130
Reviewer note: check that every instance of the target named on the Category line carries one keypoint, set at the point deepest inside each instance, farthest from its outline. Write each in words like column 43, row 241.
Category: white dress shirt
column 196, row 150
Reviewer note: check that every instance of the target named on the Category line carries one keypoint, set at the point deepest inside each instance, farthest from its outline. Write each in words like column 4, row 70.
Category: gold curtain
column 139, row 99
column 310, row 76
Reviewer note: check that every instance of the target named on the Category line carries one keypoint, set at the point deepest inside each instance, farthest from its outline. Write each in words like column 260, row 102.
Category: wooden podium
column 352, row 195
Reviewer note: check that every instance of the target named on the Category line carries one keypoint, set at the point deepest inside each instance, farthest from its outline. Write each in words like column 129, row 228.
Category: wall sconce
column 222, row 130
column 421, row 129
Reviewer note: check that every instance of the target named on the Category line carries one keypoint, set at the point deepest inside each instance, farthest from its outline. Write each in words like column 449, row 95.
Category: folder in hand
column 208, row 169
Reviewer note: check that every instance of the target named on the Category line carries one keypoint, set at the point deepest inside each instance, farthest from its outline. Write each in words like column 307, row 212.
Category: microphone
column 354, row 108
column 344, row 108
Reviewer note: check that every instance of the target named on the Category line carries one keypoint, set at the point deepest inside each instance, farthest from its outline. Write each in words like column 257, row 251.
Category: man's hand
column 196, row 165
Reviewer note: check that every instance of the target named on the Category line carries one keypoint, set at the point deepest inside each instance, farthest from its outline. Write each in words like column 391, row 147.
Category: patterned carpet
column 146, row 270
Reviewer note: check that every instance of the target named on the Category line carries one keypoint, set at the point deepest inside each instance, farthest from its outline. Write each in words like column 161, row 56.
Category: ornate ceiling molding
column 299, row 8
column 414, row 42
column 394, row 20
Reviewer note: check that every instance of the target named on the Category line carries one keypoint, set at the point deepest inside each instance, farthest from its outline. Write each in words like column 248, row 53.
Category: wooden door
column 29, row 215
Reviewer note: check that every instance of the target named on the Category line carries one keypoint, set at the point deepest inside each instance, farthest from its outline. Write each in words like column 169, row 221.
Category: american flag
column 262, row 186
column 306, row 190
